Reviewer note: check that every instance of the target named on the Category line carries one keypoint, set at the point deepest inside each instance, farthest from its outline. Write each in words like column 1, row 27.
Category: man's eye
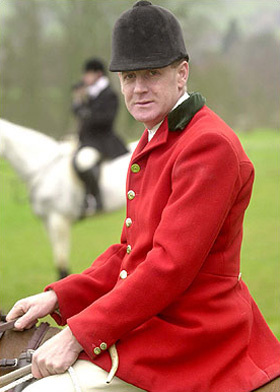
column 154, row 72
column 128, row 76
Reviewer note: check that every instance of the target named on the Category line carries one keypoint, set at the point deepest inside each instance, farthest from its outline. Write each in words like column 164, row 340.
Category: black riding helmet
column 146, row 36
column 94, row 64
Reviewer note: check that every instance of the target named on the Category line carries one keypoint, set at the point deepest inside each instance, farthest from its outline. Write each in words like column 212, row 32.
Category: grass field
column 25, row 255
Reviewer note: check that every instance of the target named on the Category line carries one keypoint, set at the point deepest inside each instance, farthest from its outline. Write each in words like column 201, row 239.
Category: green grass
column 260, row 252
column 25, row 256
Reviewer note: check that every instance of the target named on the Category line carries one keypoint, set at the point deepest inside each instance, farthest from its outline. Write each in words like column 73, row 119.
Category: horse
column 55, row 192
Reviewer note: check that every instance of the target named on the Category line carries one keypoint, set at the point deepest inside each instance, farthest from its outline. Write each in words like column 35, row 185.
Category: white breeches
column 86, row 158
column 87, row 377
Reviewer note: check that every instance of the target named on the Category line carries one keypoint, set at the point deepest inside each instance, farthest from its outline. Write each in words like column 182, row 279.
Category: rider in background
column 95, row 105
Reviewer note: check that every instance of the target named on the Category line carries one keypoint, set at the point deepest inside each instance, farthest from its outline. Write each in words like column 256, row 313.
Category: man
column 95, row 104
column 170, row 296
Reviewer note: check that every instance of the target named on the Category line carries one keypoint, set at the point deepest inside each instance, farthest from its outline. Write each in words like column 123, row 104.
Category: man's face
column 151, row 94
column 91, row 77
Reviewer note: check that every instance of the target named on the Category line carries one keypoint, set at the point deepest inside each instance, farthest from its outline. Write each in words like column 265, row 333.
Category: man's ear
column 121, row 83
column 182, row 74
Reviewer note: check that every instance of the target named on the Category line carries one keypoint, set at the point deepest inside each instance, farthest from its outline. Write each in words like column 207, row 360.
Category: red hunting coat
column 170, row 294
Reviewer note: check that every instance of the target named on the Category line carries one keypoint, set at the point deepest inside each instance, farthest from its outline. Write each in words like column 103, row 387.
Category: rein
column 15, row 379
column 6, row 325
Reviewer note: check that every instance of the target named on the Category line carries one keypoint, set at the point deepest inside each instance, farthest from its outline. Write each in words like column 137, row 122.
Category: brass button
column 128, row 249
column 135, row 168
column 130, row 195
column 128, row 222
column 103, row 346
column 123, row 274
column 97, row 350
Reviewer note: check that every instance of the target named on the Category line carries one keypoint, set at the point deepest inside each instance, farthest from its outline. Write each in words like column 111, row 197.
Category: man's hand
column 31, row 308
column 79, row 95
column 56, row 355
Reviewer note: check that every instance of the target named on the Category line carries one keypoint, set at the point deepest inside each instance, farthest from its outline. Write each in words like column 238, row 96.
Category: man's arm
column 71, row 296
column 58, row 353
column 78, row 291
column 99, row 112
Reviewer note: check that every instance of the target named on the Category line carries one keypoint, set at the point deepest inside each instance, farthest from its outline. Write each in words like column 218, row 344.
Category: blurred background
column 233, row 47
column 234, row 62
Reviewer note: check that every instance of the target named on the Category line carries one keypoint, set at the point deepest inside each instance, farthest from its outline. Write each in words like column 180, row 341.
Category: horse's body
column 56, row 194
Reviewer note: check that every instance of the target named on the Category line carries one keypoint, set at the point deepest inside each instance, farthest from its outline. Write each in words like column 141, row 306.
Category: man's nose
column 140, row 85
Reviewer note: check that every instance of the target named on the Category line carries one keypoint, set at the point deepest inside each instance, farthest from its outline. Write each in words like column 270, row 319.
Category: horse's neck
column 26, row 150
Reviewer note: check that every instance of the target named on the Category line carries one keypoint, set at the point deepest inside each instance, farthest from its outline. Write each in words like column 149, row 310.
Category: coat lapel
column 141, row 144
column 144, row 147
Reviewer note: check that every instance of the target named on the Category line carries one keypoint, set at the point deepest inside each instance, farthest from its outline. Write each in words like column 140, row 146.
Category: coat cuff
column 97, row 346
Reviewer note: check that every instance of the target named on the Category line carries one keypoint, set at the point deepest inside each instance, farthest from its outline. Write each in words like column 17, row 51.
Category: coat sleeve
column 98, row 113
column 205, row 182
column 78, row 291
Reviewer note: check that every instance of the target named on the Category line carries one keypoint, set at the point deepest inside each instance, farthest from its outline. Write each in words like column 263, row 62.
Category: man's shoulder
column 207, row 125
column 108, row 92
column 106, row 96
column 206, row 121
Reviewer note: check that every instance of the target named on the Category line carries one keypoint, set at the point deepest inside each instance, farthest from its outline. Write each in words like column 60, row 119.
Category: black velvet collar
column 182, row 115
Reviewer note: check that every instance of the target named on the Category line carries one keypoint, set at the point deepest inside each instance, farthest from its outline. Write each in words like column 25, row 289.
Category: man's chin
column 148, row 120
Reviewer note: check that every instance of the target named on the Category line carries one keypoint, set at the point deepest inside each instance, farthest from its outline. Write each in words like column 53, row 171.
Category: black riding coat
column 96, row 117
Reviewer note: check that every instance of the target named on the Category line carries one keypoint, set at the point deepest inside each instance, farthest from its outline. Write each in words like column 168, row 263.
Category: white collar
column 183, row 98
column 152, row 132
column 95, row 89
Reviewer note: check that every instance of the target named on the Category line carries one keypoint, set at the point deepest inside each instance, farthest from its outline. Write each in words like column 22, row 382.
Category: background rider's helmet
column 94, row 64
column 146, row 36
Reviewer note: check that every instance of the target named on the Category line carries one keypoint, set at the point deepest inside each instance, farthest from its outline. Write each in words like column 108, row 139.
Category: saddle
column 17, row 347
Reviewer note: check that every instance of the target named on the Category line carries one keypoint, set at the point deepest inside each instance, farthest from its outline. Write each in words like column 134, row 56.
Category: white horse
column 56, row 193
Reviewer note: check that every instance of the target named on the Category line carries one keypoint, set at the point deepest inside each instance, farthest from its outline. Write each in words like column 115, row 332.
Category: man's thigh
column 90, row 378
column 272, row 386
